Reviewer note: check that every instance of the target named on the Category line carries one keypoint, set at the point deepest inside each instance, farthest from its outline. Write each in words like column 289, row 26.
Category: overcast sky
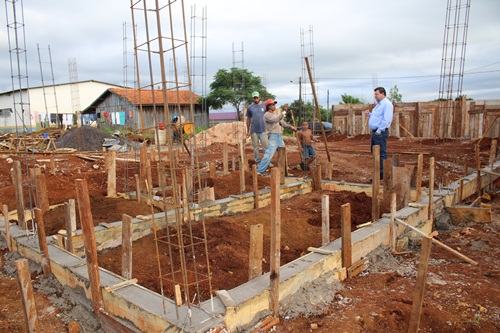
column 356, row 44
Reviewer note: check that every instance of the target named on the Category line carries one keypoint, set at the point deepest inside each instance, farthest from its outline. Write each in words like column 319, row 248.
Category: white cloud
column 398, row 42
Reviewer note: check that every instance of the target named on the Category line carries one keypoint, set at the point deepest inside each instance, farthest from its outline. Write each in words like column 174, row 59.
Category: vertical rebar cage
column 163, row 64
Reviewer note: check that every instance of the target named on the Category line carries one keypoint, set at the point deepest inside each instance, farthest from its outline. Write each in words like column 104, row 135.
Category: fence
column 446, row 119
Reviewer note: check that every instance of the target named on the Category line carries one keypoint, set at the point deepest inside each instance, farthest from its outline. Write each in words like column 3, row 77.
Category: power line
column 403, row 77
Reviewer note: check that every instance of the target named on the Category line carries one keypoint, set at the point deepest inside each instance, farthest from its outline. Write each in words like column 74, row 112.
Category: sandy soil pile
column 231, row 133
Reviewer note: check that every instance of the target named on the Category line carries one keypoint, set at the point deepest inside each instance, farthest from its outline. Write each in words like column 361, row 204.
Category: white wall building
column 41, row 107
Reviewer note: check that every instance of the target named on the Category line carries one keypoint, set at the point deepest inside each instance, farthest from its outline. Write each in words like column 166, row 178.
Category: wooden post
column 346, row 235
column 17, row 180
column 52, row 165
column 255, row 187
column 316, row 181
column 5, row 210
column 178, row 295
column 478, row 176
column 329, row 170
column 126, row 246
column 256, row 250
column 213, row 171
column 387, row 184
column 233, row 163
column 325, row 219
column 143, row 157
column 70, row 219
column 41, row 193
column 460, row 191
column 420, row 169
column 242, row 173
column 282, row 163
column 89, row 241
column 376, row 183
column 493, row 153
column 149, row 174
column 111, row 156
column 42, row 242
column 29, row 305
column 33, row 189
column 137, row 187
column 225, row 158
column 418, row 296
column 401, row 180
column 392, row 226
column 431, row 189
column 274, row 269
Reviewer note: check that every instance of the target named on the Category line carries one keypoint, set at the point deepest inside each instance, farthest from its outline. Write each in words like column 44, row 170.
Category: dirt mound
column 85, row 138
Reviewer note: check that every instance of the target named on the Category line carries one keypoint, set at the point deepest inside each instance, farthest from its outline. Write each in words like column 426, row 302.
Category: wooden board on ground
column 470, row 214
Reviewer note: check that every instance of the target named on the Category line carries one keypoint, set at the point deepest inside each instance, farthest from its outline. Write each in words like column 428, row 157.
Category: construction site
column 163, row 228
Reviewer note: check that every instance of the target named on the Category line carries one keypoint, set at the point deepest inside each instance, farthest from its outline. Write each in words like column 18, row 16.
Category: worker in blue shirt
column 380, row 120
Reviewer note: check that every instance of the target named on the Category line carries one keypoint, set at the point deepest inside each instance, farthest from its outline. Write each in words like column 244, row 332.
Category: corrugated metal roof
column 183, row 96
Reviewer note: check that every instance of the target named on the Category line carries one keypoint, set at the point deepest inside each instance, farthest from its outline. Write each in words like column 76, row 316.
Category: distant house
column 222, row 117
column 118, row 107
column 41, row 106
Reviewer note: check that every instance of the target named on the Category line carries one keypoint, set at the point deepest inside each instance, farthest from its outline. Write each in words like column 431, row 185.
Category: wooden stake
column 325, row 219
column 213, row 170
column 69, row 215
column 29, row 305
column 242, row 170
column 478, row 176
column 52, row 165
column 418, row 298
column 346, row 235
column 17, row 180
column 392, row 226
column 493, row 153
column 42, row 242
column 282, row 163
column 460, row 191
column 329, row 170
column 41, row 193
column 126, row 246
column 137, row 187
column 89, row 241
column 376, row 183
column 431, row 189
column 111, row 157
column 256, row 250
column 420, row 167
column 149, row 174
column 255, row 187
column 225, row 158
column 178, row 295
column 401, row 180
column 5, row 210
column 316, row 184
column 274, row 273
column 387, row 184
column 143, row 157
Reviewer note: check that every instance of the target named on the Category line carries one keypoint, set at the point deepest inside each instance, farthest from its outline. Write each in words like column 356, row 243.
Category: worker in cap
column 255, row 125
column 273, row 119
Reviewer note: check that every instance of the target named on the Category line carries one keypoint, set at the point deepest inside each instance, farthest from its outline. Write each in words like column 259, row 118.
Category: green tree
column 394, row 95
column 307, row 113
column 348, row 99
column 234, row 87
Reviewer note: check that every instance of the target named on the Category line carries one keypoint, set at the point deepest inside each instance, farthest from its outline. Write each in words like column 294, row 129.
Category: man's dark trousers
column 380, row 140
